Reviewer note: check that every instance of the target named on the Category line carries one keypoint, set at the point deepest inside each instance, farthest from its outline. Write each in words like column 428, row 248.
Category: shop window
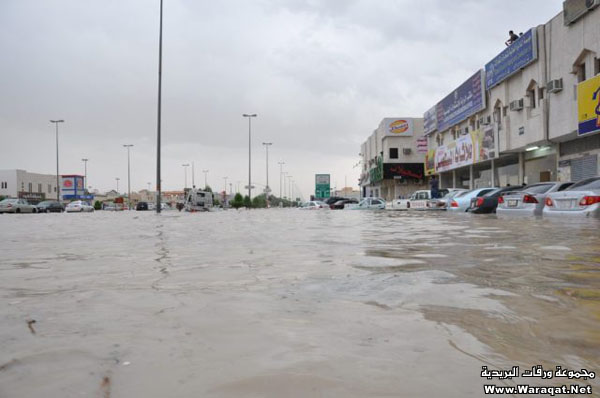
column 49, row 188
column 393, row 153
column 39, row 188
column 30, row 186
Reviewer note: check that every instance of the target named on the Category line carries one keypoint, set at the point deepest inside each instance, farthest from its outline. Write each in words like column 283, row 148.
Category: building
column 347, row 192
column 516, row 121
column 31, row 186
column 392, row 159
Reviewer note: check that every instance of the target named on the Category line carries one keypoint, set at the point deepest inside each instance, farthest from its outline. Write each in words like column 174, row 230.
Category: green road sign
column 322, row 185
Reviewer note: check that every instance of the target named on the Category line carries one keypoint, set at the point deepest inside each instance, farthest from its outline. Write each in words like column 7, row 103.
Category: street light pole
column 185, row 166
column 267, row 188
column 158, row 120
column 225, row 191
column 280, row 177
column 249, row 116
column 289, row 177
column 117, row 178
column 205, row 178
column 84, row 172
column 57, row 179
column 128, row 146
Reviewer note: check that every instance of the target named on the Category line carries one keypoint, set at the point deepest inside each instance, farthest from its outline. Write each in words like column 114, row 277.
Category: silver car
column 460, row 202
column 530, row 200
column 581, row 199
column 16, row 206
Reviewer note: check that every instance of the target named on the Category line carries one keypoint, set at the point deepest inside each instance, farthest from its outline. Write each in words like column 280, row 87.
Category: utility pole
column 128, row 146
column 267, row 188
column 185, row 166
column 280, row 178
column 57, row 179
column 249, row 116
column 205, row 178
column 158, row 179
column 85, row 160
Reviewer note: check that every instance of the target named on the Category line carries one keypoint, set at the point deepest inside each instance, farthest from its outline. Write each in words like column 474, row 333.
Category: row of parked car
column 47, row 206
column 545, row 198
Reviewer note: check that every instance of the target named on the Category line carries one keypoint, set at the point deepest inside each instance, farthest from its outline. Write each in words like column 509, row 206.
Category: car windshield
column 584, row 185
column 9, row 201
column 541, row 188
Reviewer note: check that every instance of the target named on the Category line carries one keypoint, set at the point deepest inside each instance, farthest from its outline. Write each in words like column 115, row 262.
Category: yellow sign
column 588, row 105
column 430, row 162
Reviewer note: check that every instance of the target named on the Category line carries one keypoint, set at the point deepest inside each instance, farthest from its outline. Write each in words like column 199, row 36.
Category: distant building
column 31, row 186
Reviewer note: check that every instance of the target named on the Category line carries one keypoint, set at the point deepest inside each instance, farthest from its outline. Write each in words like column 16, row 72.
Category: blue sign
column 430, row 121
column 514, row 58
column 466, row 100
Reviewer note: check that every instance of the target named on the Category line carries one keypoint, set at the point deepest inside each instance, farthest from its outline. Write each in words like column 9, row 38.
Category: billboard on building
column 404, row 171
column 398, row 127
column 430, row 162
column 514, row 58
column 466, row 100
column 430, row 121
column 484, row 143
column 588, row 106
column 322, row 185
column 458, row 153
column 422, row 145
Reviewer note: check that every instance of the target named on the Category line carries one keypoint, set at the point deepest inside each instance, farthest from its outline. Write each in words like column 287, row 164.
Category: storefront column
column 493, row 174
column 521, row 167
column 440, row 185
column 470, row 176
column 453, row 178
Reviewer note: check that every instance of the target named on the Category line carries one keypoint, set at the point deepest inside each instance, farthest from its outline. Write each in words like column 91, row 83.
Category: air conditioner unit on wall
column 516, row 105
column 406, row 151
column 591, row 4
column 554, row 86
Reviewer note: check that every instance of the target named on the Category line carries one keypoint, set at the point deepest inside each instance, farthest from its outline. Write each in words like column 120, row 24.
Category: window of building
column 49, row 188
column 39, row 188
column 540, row 95
column 22, row 186
column 596, row 66
column 30, row 186
column 531, row 97
column 581, row 72
column 393, row 153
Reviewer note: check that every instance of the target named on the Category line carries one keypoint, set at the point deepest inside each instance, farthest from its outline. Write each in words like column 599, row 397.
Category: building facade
column 392, row 159
column 34, row 187
column 522, row 124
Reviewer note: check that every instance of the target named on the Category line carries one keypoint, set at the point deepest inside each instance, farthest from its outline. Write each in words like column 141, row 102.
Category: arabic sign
column 456, row 154
column 376, row 173
column 430, row 121
column 404, row 171
column 398, row 127
column 430, row 162
column 422, row 145
column 514, row 58
column 588, row 106
column 466, row 100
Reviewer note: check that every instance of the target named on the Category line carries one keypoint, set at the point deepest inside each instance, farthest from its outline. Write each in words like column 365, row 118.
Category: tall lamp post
column 280, row 177
column 158, row 119
column 225, row 191
column 249, row 116
column 57, row 178
column 185, row 166
column 117, row 178
column 205, row 178
column 128, row 146
column 84, row 160
column 289, row 177
column 267, row 189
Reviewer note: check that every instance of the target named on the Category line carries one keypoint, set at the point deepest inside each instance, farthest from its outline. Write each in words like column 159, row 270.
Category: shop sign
column 430, row 162
column 430, row 121
column 34, row 196
column 514, row 58
column 456, row 154
column 404, row 171
column 484, row 143
column 588, row 106
column 376, row 173
column 398, row 127
column 422, row 145
column 466, row 100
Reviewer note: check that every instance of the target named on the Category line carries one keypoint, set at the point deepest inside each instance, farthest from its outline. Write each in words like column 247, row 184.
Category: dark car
column 141, row 206
column 50, row 206
column 333, row 199
column 339, row 205
column 489, row 202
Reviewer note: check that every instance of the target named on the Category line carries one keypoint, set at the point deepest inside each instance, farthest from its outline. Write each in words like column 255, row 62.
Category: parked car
column 16, row 206
column 460, row 202
column 368, row 204
column 332, row 200
column 78, row 206
column 141, row 206
column 340, row 204
column 419, row 200
column 581, row 199
column 487, row 203
column 314, row 205
column 530, row 200
column 444, row 202
column 50, row 206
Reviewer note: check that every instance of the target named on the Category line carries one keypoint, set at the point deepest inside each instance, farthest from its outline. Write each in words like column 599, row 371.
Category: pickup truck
column 419, row 200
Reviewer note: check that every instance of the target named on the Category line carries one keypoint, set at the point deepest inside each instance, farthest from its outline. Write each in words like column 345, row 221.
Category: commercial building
column 392, row 159
column 72, row 187
column 34, row 187
column 520, row 119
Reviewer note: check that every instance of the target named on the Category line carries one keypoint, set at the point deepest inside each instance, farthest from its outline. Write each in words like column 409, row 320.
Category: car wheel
column 18, row 211
column 34, row 211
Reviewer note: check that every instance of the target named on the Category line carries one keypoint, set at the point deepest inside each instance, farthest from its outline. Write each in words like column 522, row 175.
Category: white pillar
column 493, row 174
column 521, row 167
column 471, row 176
column 453, row 178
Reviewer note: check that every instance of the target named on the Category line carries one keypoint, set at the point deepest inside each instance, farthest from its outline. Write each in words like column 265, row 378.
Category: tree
column 207, row 188
column 238, row 201
column 247, row 202
column 97, row 205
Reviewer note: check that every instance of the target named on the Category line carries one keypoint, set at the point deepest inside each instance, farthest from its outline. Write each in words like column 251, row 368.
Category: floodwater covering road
column 289, row 303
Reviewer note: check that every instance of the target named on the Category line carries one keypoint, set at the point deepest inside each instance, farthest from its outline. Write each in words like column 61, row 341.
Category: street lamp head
column 84, row 160
column 249, row 115
column 186, row 165
column 127, row 145
column 57, row 121
column 267, row 143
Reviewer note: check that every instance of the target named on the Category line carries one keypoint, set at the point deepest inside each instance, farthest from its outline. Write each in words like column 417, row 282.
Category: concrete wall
column 19, row 180
column 10, row 178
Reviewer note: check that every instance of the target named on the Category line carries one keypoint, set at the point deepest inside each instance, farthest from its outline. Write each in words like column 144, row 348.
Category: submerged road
column 290, row 303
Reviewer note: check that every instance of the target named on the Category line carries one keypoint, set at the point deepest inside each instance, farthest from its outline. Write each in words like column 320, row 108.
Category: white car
column 314, row 205
column 421, row 200
column 530, row 200
column 367, row 204
column 462, row 201
column 581, row 199
column 78, row 206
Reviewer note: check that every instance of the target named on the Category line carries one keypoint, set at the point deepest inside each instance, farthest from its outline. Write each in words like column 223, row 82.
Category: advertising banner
column 484, row 143
column 398, row 127
column 588, row 106
column 404, row 171
column 456, row 154
column 430, row 121
column 430, row 162
column 68, row 184
column 515, row 57
column 466, row 100
column 422, row 145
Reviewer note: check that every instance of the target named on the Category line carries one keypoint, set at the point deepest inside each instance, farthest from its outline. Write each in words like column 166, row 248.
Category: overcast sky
column 319, row 74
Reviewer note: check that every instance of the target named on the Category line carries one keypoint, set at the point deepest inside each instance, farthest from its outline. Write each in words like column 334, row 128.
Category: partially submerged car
column 581, row 199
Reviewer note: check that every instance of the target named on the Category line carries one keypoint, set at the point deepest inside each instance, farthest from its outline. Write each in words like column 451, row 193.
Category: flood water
column 290, row 303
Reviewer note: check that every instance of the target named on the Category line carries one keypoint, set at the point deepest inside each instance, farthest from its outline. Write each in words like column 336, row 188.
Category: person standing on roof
column 512, row 38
